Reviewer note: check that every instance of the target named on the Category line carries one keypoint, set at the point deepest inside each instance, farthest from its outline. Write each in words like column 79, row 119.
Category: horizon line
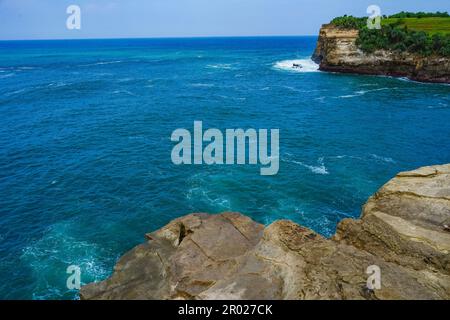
column 163, row 37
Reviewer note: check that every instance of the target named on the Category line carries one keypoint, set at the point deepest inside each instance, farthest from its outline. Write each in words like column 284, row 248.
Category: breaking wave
column 318, row 169
column 297, row 65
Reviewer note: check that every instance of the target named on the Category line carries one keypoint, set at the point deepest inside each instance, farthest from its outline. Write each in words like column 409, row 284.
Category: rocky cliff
column 337, row 51
column 404, row 230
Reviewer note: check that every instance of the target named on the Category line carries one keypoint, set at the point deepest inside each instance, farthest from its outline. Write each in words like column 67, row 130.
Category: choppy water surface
column 85, row 146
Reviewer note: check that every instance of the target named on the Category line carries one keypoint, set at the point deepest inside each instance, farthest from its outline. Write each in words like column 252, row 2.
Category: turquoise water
column 85, row 127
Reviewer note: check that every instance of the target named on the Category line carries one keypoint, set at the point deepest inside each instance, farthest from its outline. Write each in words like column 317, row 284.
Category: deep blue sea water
column 85, row 127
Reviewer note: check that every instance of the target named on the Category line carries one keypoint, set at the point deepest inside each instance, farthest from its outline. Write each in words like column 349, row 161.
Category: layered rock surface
column 403, row 230
column 336, row 51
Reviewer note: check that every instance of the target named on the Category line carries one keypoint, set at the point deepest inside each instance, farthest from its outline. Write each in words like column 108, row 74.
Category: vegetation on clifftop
column 422, row 33
column 420, row 15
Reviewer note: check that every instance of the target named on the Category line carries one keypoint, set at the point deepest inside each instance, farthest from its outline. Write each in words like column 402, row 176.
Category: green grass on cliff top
column 430, row 25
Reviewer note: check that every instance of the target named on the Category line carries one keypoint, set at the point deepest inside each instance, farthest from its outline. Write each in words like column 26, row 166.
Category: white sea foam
column 321, row 99
column 204, row 85
column 22, row 68
column 362, row 92
column 3, row 76
column 125, row 80
column 371, row 156
column 57, row 84
column 100, row 63
column 14, row 92
column 107, row 62
column 367, row 157
column 302, row 90
column 405, row 79
column 384, row 159
column 290, row 88
column 59, row 247
column 345, row 157
column 124, row 92
column 307, row 65
column 318, row 169
column 349, row 96
column 226, row 66
column 368, row 85
column 209, row 197
column 439, row 106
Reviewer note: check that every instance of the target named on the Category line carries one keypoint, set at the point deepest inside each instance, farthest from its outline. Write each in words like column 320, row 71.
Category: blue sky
column 46, row 19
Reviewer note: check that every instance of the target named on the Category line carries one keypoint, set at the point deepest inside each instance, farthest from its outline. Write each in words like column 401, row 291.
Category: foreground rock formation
column 403, row 230
column 336, row 51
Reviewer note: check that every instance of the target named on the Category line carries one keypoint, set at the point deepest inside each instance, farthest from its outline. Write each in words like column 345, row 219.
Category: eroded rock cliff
column 337, row 51
column 403, row 230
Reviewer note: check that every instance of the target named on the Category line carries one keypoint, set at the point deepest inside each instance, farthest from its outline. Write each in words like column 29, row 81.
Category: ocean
column 85, row 149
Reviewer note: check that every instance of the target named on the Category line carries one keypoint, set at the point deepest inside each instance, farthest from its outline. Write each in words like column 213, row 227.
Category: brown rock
column 229, row 256
column 403, row 222
column 336, row 51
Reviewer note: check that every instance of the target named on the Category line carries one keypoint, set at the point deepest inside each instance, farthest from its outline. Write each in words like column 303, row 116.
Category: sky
column 46, row 19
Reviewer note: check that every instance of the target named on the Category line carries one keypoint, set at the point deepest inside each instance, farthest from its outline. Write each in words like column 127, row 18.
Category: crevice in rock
column 201, row 250
column 413, row 195
column 231, row 222
column 183, row 233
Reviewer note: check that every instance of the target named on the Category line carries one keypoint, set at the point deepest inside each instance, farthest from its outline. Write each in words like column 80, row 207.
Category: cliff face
column 336, row 51
column 404, row 230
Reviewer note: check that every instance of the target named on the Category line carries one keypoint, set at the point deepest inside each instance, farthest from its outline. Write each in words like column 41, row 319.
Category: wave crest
column 304, row 65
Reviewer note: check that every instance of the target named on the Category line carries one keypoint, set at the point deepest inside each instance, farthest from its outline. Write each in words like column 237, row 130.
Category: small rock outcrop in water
column 229, row 256
column 337, row 51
